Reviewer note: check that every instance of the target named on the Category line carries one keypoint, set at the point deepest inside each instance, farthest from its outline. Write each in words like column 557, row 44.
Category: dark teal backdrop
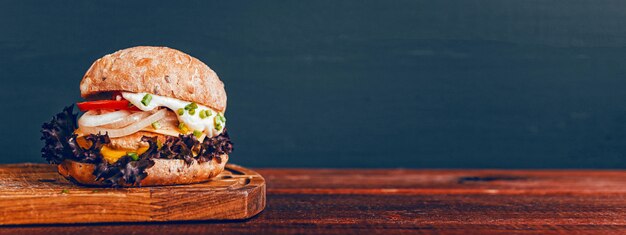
column 357, row 83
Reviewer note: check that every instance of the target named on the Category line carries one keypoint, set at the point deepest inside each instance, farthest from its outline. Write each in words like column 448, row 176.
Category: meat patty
column 133, row 141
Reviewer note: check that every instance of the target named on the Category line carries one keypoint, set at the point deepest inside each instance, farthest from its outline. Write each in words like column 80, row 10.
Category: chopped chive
column 156, row 125
column 133, row 155
column 159, row 144
column 182, row 127
column 191, row 106
column 65, row 191
column 218, row 124
column 146, row 99
column 202, row 114
column 197, row 133
column 181, row 112
column 192, row 112
column 208, row 113
column 219, row 121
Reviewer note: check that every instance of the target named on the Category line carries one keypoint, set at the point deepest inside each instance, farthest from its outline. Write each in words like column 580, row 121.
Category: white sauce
column 193, row 122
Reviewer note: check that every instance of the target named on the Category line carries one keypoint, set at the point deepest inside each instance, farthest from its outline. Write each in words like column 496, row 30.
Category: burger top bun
column 155, row 70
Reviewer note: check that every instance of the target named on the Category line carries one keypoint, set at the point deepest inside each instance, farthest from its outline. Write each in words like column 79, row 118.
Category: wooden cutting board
column 37, row 194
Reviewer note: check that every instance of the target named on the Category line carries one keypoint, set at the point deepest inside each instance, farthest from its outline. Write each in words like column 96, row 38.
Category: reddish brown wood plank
column 445, row 181
column 343, row 213
column 345, row 201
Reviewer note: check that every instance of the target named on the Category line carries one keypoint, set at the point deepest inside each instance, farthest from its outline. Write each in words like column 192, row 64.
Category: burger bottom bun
column 164, row 172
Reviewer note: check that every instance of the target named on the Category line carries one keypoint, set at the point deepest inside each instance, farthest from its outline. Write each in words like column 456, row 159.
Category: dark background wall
column 490, row 84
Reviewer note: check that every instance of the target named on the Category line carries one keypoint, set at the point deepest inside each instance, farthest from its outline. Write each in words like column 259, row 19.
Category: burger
column 151, row 116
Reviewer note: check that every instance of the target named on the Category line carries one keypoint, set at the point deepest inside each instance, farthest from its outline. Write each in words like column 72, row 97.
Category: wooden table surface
column 341, row 201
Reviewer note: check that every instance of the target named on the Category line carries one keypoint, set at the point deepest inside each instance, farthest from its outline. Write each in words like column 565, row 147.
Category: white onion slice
column 114, row 133
column 135, row 117
column 91, row 119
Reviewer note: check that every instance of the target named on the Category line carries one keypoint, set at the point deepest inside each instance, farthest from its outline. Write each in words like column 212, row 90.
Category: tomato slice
column 106, row 104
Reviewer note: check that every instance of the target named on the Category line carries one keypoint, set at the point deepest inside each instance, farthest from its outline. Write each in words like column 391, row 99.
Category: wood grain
column 37, row 194
column 345, row 201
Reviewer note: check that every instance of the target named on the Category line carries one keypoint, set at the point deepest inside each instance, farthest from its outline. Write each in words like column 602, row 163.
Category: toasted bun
column 156, row 70
column 164, row 172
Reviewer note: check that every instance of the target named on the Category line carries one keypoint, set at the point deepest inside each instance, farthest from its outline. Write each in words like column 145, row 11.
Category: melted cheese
column 112, row 155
